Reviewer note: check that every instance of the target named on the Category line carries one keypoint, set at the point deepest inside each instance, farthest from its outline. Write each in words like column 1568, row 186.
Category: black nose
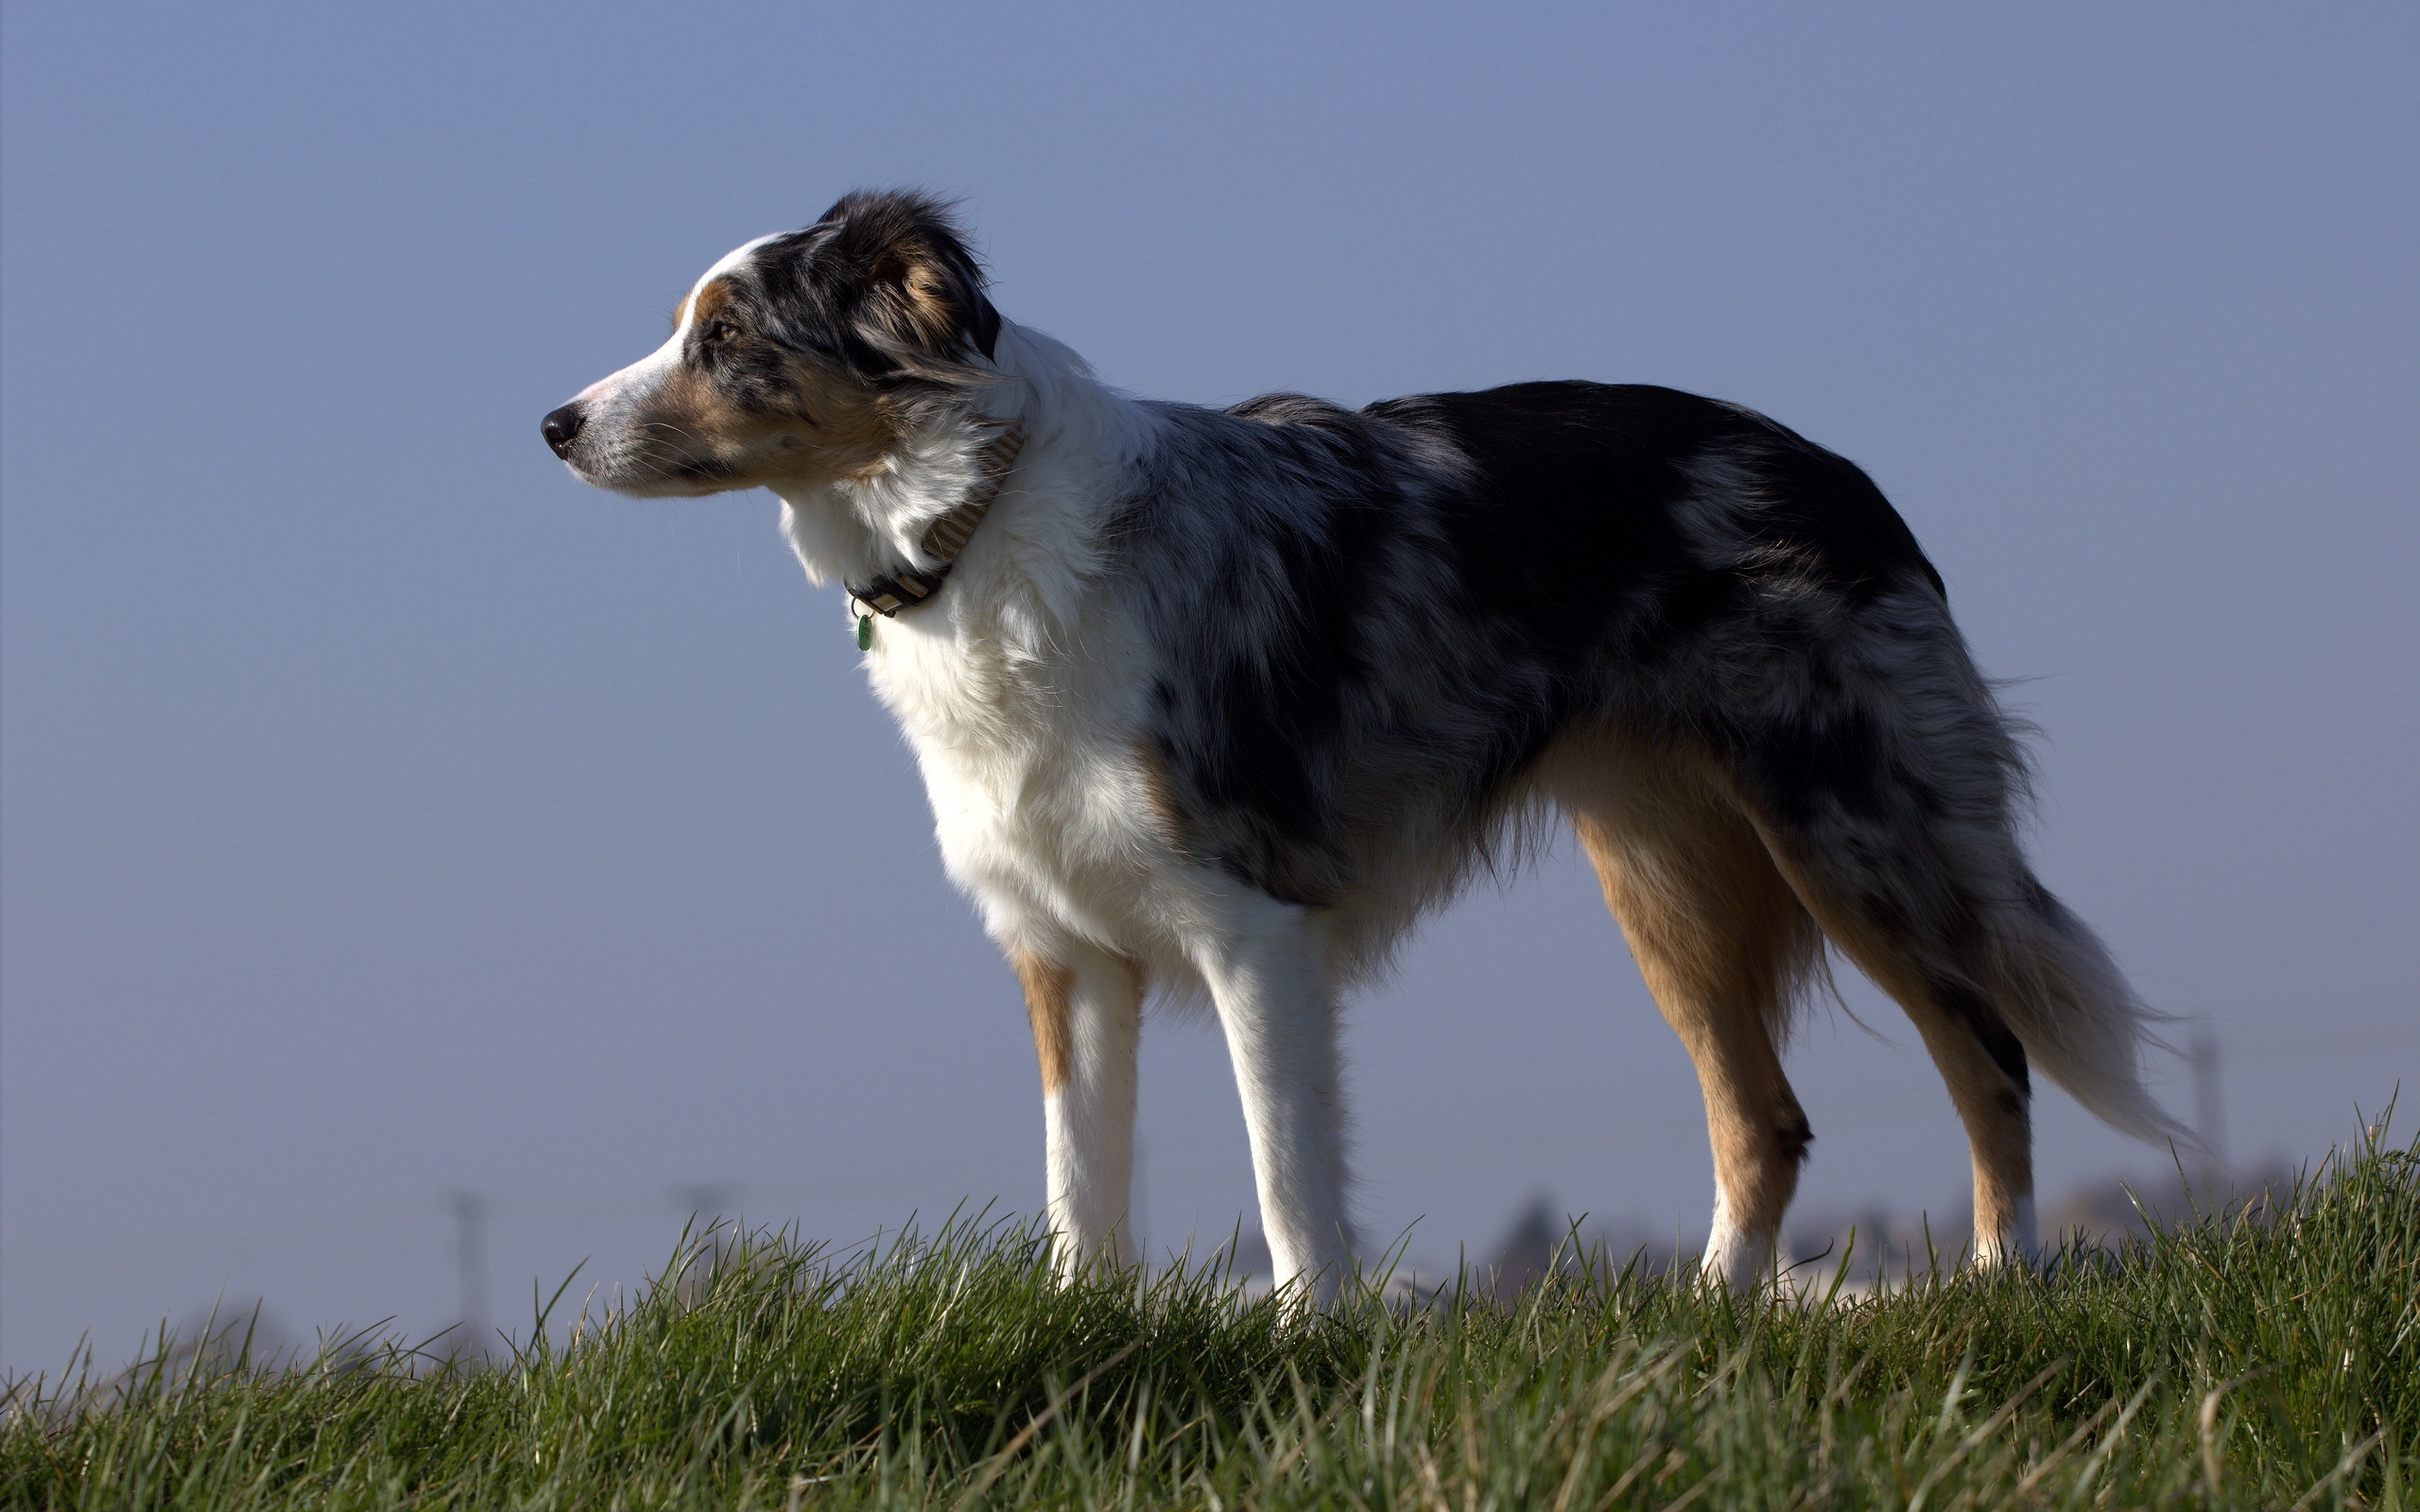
column 561, row 428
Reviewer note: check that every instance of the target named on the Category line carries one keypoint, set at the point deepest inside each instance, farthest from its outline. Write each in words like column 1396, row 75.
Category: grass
column 2228, row 1363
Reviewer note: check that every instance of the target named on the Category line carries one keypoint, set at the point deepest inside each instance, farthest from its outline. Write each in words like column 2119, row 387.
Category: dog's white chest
column 1029, row 764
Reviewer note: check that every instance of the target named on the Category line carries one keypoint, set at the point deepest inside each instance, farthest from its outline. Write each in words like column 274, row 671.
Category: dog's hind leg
column 1979, row 1056
column 1724, row 945
column 1087, row 1006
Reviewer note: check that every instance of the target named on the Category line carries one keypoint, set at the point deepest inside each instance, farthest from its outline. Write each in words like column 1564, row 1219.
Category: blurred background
column 425, row 876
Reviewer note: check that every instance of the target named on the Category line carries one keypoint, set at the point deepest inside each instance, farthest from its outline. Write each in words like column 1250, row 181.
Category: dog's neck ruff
column 948, row 535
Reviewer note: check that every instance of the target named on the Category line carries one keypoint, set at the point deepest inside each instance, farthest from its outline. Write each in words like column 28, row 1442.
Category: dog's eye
column 720, row 332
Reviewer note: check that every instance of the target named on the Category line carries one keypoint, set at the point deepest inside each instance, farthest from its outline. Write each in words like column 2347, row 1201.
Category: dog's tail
column 1886, row 783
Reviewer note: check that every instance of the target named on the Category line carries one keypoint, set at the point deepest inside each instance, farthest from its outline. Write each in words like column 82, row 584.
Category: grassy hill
column 2268, row 1361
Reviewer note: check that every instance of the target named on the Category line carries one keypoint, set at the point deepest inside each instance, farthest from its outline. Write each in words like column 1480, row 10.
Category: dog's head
column 803, row 358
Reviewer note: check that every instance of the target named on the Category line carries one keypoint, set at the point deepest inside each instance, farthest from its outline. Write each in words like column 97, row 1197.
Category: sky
column 386, row 816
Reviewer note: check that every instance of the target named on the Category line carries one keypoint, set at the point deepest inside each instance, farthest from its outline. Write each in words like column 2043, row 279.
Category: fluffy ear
column 911, row 289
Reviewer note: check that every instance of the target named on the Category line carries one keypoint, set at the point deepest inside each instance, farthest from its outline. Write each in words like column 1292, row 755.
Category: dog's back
column 1411, row 605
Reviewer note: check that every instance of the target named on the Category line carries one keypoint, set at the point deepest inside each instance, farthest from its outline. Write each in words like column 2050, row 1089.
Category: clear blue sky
column 388, row 814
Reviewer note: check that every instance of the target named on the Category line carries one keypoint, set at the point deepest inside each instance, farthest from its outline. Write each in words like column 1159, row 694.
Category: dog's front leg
column 1269, row 978
column 1087, row 1006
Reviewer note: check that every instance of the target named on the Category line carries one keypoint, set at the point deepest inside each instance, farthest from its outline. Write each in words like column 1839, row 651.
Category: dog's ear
column 909, row 289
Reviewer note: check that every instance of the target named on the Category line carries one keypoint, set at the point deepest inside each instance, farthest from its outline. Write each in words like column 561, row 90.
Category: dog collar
column 947, row 538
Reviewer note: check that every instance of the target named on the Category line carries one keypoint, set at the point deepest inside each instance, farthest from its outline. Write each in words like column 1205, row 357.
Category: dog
column 1222, row 701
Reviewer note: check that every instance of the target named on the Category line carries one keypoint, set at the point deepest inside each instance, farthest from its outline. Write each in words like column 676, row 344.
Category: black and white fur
column 1223, row 700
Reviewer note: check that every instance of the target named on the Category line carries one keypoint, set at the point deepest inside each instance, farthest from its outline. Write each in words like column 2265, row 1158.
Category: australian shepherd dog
column 1221, row 701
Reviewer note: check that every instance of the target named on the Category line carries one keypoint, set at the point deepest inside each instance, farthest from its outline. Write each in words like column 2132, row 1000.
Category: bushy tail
column 2052, row 980
column 1886, row 782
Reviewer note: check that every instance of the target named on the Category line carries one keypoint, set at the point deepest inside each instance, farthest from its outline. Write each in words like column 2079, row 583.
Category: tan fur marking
column 1047, row 987
column 1721, row 942
column 923, row 286
column 1159, row 795
column 833, row 428
column 856, row 428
